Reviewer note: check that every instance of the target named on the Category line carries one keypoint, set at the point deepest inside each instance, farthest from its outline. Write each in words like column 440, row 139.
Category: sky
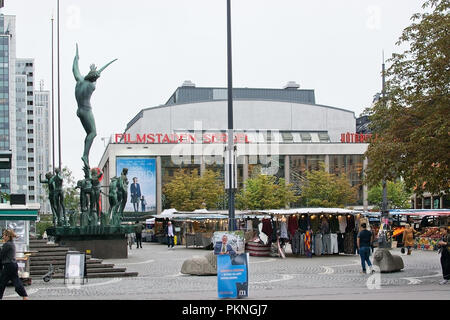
column 332, row 46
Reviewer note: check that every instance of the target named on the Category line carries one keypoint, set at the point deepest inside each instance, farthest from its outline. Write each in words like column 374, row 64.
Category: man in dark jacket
column 138, row 227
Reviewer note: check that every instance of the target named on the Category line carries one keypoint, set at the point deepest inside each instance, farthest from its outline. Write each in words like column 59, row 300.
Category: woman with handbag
column 10, row 268
column 444, row 249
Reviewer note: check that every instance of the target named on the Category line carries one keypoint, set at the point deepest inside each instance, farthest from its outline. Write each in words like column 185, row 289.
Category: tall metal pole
column 231, row 211
column 384, row 205
column 59, row 100
column 52, row 113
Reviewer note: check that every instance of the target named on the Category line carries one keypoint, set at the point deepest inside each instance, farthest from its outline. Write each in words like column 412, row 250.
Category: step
column 105, row 275
column 43, row 245
column 89, row 266
column 89, row 271
column 60, row 262
column 48, row 253
column 51, row 257
column 32, row 241
column 50, row 249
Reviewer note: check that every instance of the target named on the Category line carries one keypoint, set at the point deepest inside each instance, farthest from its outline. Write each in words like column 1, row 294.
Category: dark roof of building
column 188, row 94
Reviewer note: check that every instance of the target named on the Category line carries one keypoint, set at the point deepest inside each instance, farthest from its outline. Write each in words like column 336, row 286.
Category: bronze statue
column 123, row 190
column 96, row 176
column 51, row 194
column 83, row 91
column 59, row 197
column 114, row 202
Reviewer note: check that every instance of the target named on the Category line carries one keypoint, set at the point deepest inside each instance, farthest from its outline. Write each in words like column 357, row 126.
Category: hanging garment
column 283, row 231
column 349, row 243
column 350, row 224
column 302, row 244
column 326, row 243
column 342, row 223
column 324, row 226
column 295, row 243
column 267, row 227
column 262, row 235
column 255, row 222
column 340, row 240
column 308, row 243
column 249, row 225
column 303, row 223
column 275, row 230
column 314, row 222
column 334, row 224
column 318, row 250
column 334, row 243
column 292, row 225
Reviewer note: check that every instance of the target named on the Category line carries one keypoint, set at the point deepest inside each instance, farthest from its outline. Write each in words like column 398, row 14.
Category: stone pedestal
column 103, row 242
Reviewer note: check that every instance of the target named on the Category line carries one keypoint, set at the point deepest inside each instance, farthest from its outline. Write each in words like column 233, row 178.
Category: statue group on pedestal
column 90, row 188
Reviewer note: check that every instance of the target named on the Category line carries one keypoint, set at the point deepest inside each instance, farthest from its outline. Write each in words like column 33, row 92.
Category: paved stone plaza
column 327, row 277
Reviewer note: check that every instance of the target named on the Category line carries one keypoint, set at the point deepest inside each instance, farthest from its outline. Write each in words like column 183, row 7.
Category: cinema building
column 281, row 132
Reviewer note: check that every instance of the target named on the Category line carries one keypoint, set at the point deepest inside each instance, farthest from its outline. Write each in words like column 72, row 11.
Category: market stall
column 425, row 222
column 192, row 229
column 308, row 231
column 18, row 218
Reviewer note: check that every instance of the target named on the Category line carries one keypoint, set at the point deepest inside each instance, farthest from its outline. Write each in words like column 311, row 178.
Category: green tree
column 323, row 189
column 265, row 192
column 397, row 194
column 412, row 121
column 188, row 191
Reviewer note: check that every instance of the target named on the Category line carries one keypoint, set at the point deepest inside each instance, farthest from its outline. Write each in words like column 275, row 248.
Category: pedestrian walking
column 170, row 233
column 408, row 238
column 138, row 227
column 130, row 238
column 10, row 268
column 444, row 249
column 364, row 243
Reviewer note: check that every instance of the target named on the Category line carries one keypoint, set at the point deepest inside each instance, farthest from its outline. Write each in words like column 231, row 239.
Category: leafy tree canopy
column 398, row 196
column 265, row 192
column 412, row 121
column 189, row 191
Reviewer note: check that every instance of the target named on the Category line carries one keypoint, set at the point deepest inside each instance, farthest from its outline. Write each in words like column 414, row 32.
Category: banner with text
column 232, row 276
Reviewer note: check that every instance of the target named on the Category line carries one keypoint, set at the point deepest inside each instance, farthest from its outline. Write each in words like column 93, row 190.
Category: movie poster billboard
column 141, row 182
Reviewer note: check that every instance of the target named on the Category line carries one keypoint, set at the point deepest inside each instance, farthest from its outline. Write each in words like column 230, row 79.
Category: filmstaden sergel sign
column 176, row 138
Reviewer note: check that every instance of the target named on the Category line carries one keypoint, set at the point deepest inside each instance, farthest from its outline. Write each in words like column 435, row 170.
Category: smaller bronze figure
column 59, row 198
column 123, row 190
column 114, row 202
column 51, row 194
column 96, row 177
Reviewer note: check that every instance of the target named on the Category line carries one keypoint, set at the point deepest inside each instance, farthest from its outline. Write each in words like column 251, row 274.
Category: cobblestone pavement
column 326, row 277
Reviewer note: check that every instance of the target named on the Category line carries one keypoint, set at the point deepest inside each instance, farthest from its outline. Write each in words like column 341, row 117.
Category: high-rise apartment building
column 25, row 129
column 42, row 127
column 8, row 178
column 24, row 120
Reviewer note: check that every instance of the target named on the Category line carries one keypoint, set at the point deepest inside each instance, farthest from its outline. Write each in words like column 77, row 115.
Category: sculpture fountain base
column 103, row 242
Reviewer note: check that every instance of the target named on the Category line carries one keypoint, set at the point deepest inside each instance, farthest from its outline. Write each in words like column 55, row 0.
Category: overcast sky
column 331, row 46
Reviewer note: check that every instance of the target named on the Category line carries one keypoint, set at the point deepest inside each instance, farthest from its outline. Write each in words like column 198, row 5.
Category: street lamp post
column 230, row 149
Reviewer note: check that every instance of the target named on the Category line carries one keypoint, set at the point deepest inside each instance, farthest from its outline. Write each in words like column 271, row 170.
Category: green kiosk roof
column 27, row 212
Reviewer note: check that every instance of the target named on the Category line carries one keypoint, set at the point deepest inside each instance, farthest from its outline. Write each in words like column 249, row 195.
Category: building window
column 306, row 136
column 30, row 150
column 324, row 137
column 31, row 179
column 31, row 198
column 287, row 137
column 30, row 103
column 31, row 188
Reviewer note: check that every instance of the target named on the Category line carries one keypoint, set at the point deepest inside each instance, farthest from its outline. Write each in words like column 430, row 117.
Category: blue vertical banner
column 143, row 169
column 232, row 276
